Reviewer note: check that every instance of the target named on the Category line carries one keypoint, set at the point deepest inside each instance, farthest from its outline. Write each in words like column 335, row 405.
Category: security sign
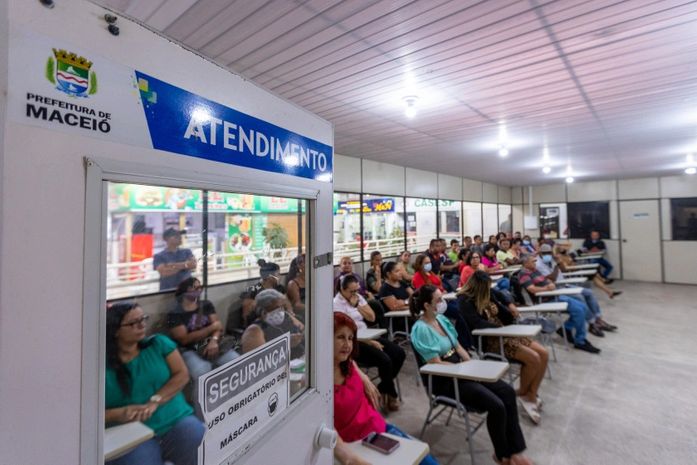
column 240, row 398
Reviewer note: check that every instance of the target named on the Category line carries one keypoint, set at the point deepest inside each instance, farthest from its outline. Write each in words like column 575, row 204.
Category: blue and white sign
column 182, row 122
column 132, row 107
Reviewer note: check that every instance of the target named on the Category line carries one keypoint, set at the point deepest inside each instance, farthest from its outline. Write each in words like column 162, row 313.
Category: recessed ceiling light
column 691, row 170
column 503, row 152
column 410, row 103
column 569, row 179
column 546, row 170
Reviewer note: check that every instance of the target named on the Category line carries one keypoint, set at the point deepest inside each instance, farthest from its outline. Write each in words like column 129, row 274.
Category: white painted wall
column 490, row 193
column 449, row 187
column 347, row 174
column 382, row 178
column 423, row 184
column 680, row 261
column 42, row 237
column 643, row 188
column 471, row 190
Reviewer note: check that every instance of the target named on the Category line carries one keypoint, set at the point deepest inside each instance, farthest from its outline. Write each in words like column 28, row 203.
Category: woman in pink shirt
column 472, row 264
column 356, row 399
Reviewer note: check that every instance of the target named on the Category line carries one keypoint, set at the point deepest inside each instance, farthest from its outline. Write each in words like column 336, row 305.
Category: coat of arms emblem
column 71, row 73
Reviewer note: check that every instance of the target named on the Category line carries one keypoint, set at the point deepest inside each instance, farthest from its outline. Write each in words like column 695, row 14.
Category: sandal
column 531, row 411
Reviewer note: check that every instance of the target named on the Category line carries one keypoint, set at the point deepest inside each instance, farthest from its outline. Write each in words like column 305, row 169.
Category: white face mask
column 428, row 267
column 275, row 317
column 441, row 307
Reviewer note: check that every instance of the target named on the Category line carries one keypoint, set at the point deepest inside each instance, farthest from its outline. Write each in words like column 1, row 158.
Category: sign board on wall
column 68, row 88
column 241, row 398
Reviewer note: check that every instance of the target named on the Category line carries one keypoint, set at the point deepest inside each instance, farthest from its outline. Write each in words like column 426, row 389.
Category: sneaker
column 609, row 280
column 531, row 410
column 587, row 347
column 569, row 337
column 595, row 330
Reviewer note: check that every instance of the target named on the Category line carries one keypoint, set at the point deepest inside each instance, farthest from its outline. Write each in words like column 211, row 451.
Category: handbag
column 225, row 344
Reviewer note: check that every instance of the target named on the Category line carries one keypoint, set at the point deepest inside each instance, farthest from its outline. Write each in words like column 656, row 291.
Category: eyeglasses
column 140, row 321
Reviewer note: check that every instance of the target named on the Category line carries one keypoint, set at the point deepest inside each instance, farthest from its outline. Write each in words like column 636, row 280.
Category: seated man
column 478, row 246
column 594, row 244
column 505, row 256
column 533, row 281
column 454, row 250
column 547, row 265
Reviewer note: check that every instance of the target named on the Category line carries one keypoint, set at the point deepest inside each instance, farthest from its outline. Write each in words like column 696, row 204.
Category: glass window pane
column 505, row 219
column 584, row 217
column 153, row 238
column 472, row 218
column 347, row 227
column 684, row 219
column 421, row 223
column 383, row 224
column 490, row 215
column 553, row 221
column 450, row 221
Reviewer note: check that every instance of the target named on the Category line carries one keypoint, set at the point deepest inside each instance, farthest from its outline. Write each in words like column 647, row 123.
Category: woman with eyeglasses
column 435, row 341
column 382, row 353
column 482, row 309
column 196, row 327
column 472, row 264
column 144, row 379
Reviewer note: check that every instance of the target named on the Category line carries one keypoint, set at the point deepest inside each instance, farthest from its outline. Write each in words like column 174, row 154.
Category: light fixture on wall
column 410, row 105
column 691, row 168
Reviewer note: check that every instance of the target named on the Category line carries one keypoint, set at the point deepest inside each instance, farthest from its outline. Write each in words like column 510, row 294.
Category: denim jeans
column 605, row 265
column 392, row 429
column 503, row 284
column 577, row 317
column 199, row 366
column 179, row 445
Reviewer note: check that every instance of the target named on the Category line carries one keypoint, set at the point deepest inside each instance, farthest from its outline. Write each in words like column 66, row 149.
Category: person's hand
column 190, row 263
column 354, row 300
column 295, row 339
column 377, row 271
column 514, row 311
column 356, row 460
column 138, row 412
column 375, row 344
column 212, row 350
column 550, row 287
column 213, row 327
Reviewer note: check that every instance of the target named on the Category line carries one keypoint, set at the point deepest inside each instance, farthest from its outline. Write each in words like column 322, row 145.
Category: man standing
column 594, row 244
column 174, row 263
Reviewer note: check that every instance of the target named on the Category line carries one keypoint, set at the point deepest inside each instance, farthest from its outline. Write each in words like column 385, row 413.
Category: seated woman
column 355, row 397
column 527, row 247
column 382, row 353
column 435, row 341
column 270, row 278
column 273, row 321
column 394, row 294
column 472, row 264
column 423, row 276
column 346, row 268
column 295, row 286
column 196, row 327
column 565, row 260
column 407, row 268
column 482, row 311
column 144, row 380
column 462, row 257
column 492, row 265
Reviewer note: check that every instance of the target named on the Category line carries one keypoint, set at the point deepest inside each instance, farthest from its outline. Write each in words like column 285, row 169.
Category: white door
column 641, row 240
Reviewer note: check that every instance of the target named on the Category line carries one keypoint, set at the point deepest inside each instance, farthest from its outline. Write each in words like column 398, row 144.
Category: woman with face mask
column 196, row 327
column 274, row 321
column 435, row 340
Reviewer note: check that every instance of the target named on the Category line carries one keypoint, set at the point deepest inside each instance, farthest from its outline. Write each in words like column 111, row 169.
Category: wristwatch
column 156, row 399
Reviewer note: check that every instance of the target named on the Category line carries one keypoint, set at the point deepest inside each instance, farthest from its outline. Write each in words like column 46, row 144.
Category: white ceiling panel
column 609, row 86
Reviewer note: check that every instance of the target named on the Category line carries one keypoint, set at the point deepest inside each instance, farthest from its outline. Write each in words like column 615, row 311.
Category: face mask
column 441, row 307
column 547, row 259
column 526, row 242
column 192, row 295
column 428, row 267
column 275, row 317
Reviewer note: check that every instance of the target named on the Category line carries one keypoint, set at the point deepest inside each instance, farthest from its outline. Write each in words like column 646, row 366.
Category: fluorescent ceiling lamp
column 569, row 179
column 503, row 152
column 691, row 170
column 546, row 170
column 410, row 103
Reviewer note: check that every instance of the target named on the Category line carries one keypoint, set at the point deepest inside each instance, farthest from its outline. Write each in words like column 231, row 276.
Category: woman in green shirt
column 144, row 379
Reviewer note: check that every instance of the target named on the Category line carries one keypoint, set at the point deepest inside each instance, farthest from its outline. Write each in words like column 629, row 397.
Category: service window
column 683, row 214
column 196, row 278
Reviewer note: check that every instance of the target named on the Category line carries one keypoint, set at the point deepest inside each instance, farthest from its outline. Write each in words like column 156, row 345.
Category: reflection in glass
column 505, row 219
column 347, row 227
column 584, row 217
column 684, row 219
column 472, row 218
column 490, row 219
column 421, row 223
column 449, row 220
column 383, row 224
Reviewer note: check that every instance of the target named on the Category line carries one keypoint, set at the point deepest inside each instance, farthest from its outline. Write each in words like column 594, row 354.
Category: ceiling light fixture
column 546, row 170
column 569, row 179
column 545, row 160
column 569, row 174
column 691, row 170
column 503, row 151
column 410, row 103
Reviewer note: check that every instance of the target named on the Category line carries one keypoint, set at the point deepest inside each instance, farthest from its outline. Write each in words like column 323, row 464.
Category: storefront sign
column 62, row 87
column 385, row 205
column 242, row 397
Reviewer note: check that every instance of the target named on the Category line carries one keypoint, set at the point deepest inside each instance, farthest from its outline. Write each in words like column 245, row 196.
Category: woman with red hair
column 356, row 399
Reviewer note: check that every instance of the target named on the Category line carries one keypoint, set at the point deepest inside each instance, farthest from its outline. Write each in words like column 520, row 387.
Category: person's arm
column 366, row 312
column 531, row 288
column 345, row 456
column 472, row 317
column 252, row 338
column 394, row 304
column 170, row 269
column 370, row 389
column 293, row 291
column 182, row 336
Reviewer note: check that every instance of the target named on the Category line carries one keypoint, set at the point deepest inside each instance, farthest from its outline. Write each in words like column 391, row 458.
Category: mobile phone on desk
column 380, row 443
